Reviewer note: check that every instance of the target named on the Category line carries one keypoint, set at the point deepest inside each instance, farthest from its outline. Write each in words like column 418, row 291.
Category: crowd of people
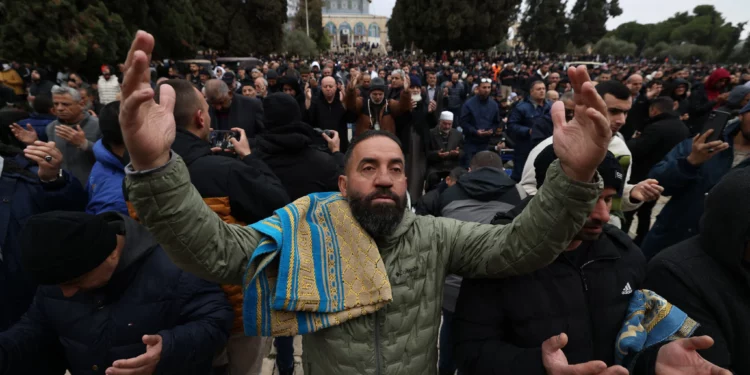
column 491, row 198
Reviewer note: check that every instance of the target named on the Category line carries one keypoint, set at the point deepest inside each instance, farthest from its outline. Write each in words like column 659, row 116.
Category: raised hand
column 703, row 151
column 582, row 143
column 148, row 129
column 73, row 135
column 47, row 156
column 647, row 191
column 680, row 357
column 27, row 136
column 556, row 363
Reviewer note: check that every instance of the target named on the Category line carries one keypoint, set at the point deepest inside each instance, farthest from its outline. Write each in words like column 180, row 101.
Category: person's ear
column 198, row 119
column 343, row 184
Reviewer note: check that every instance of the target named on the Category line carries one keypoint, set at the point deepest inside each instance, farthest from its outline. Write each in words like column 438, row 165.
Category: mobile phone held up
column 717, row 121
column 321, row 132
column 220, row 138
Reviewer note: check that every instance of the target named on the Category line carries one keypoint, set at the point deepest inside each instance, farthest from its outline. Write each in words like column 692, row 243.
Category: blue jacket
column 520, row 123
column 39, row 122
column 687, row 185
column 479, row 115
column 147, row 295
column 23, row 195
column 105, row 183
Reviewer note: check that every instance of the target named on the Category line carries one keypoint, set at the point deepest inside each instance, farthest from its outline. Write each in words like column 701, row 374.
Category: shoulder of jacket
column 621, row 239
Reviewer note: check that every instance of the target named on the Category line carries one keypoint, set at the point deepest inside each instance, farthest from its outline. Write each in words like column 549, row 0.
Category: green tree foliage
column 614, row 47
column 543, row 26
column 683, row 33
column 315, row 14
column 297, row 43
column 451, row 24
column 63, row 33
column 633, row 32
column 588, row 19
column 176, row 25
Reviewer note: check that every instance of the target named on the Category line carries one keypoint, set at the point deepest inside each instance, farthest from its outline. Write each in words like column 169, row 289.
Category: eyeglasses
column 486, row 80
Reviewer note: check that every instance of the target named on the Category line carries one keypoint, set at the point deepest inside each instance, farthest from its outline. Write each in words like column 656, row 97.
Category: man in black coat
column 444, row 150
column 252, row 190
column 290, row 148
column 229, row 111
column 326, row 111
column 513, row 326
column 650, row 147
column 708, row 276
column 114, row 300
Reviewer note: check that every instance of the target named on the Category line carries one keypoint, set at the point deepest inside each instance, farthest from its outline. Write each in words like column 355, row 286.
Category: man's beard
column 585, row 236
column 379, row 220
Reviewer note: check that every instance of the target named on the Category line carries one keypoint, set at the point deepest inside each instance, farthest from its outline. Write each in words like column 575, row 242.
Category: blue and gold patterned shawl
column 651, row 320
column 315, row 268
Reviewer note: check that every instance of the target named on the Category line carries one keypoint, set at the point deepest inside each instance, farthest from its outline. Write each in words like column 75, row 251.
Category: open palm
column 582, row 143
column 680, row 357
column 148, row 128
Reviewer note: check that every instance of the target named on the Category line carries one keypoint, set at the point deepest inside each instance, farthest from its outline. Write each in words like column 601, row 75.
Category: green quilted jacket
column 402, row 337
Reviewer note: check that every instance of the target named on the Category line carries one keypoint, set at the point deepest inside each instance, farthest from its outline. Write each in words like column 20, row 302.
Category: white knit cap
column 447, row 116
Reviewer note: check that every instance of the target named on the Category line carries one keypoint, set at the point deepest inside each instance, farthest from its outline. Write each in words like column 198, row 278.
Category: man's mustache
column 382, row 193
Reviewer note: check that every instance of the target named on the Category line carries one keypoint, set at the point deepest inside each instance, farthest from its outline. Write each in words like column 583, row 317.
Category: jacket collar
column 190, row 147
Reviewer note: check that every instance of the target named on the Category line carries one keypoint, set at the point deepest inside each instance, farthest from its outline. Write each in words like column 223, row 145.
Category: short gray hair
column 216, row 89
column 60, row 90
column 265, row 83
column 399, row 72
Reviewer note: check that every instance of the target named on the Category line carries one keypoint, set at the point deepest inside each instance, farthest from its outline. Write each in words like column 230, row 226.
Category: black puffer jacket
column 147, row 295
column 708, row 276
column 499, row 325
column 329, row 116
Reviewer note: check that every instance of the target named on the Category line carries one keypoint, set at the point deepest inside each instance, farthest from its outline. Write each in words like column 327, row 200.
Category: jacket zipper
column 377, row 343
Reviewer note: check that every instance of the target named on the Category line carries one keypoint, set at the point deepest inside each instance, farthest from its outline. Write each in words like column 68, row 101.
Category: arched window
column 359, row 29
column 331, row 28
column 374, row 30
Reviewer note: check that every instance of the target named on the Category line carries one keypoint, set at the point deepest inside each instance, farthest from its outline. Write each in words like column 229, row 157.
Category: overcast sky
column 642, row 11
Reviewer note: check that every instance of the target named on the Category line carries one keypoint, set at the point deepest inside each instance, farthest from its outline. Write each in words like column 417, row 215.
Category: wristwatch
column 59, row 176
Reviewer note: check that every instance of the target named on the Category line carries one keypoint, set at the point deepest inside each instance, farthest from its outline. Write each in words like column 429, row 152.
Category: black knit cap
column 609, row 169
column 59, row 246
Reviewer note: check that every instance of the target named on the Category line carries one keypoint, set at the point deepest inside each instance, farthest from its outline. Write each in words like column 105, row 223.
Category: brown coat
column 355, row 103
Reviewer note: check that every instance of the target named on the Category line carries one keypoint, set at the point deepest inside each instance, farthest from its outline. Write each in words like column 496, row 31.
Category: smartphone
column 220, row 138
column 717, row 121
column 321, row 132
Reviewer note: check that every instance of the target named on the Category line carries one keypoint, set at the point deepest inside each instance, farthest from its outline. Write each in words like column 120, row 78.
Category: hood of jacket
column 486, row 184
column 106, row 157
column 716, row 76
column 190, row 147
column 285, row 139
column 725, row 225
column 738, row 93
column 672, row 86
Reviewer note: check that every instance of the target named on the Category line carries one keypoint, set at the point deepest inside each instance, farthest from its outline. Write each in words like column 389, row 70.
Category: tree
column 176, row 24
column 633, row 32
column 610, row 46
column 297, row 43
column 315, row 14
column 589, row 18
column 451, row 24
column 543, row 26
column 63, row 33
